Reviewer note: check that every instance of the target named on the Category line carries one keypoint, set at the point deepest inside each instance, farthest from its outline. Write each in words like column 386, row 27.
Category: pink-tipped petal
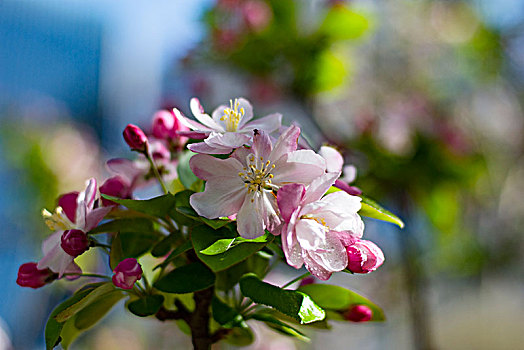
column 286, row 143
column 288, row 198
column 191, row 124
column 262, row 144
column 68, row 204
column 319, row 187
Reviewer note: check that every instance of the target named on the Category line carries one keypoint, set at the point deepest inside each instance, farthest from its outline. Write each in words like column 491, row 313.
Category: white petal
column 191, row 124
column 206, row 167
column 310, row 234
column 248, row 111
column 298, row 167
column 250, row 218
column 268, row 123
column 350, row 173
column 334, row 159
column 223, row 196
column 319, row 187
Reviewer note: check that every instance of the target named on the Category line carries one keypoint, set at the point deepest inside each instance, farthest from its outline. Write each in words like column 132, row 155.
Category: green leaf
column 203, row 237
column 280, row 326
column 340, row 299
column 215, row 223
column 175, row 253
column 226, row 315
column 240, row 336
column 125, row 225
column 222, row 245
column 186, row 279
column 136, row 244
column 185, row 174
column 116, row 255
column 147, row 305
column 159, row 206
column 95, row 294
column 182, row 213
column 69, row 308
column 292, row 303
column 53, row 328
column 95, row 311
column 164, row 246
column 372, row 209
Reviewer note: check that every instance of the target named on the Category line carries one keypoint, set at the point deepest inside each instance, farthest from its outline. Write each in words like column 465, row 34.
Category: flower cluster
column 229, row 182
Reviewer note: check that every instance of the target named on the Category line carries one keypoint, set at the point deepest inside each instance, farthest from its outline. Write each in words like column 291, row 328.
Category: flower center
column 321, row 221
column 57, row 220
column 257, row 175
column 233, row 115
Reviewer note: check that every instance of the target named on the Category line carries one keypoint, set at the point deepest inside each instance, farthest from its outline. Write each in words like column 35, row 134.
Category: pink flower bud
column 74, row 242
column 358, row 313
column 127, row 273
column 68, row 204
column 30, row 276
column 352, row 190
column 307, row 280
column 115, row 186
column 364, row 256
column 257, row 14
column 135, row 137
column 163, row 124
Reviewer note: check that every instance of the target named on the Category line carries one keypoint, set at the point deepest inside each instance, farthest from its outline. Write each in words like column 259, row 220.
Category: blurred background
column 425, row 98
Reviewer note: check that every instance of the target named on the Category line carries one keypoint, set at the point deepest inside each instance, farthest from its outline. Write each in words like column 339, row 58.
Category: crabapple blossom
column 166, row 126
column 245, row 183
column 316, row 230
column 115, row 186
column 78, row 214
column 127, row 272
column 30, row 276
column 228, row 128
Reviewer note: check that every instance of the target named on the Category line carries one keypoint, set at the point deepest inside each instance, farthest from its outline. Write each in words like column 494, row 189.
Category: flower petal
column 250, row 217
column 269, row 123
column 198, row 112
column 301, row 166
column 289, row 198
column 191, row 124
column 94, row 217
column 262, row 145
column 334, row 160
column 311, row 235
column 248, row 111
column 223, row 196
column 287, row 142
column 207, row 167
column 319, row 187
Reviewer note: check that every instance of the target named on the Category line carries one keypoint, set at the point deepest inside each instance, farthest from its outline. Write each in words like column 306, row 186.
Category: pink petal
column 95, row 216
column 288, row 198
column 291, row 248
column 287, row 142
column 268, row 123
column 310, row 234
column 241, row 155
column 223, row 196
column 350, row 173
column 128, row 169
column 300, row 167
column 57, row 260
column 262, row 145
column 319, row 187
column 316, row 269
column 334, row 160
column 204, row 148
column 207, row 167
column 197, row 135
column 68, row 204
column 196, row 106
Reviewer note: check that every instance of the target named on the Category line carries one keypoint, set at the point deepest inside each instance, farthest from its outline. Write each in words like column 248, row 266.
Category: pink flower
column 257, row 14
column 166, row 127
column 78, row 214
column 127, row 273
column 135, row 137
column 335, row 162
column 115, row 186
column 229, row 128
column 245, row 183
column 30, row 276
column 358, row 313
column 137, row 173
column 316, row 230
column 364, row 256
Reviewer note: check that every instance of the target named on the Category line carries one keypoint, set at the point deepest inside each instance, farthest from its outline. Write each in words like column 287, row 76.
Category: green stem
column 87, row 275
column 296, row 280
column 155, row 170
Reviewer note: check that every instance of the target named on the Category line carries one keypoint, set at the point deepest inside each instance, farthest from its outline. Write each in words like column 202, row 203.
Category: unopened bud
column 358, row 313
column 135, row 137
column 30, row 276
column 127, row 273
column 74, row 242
column 364, row 256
